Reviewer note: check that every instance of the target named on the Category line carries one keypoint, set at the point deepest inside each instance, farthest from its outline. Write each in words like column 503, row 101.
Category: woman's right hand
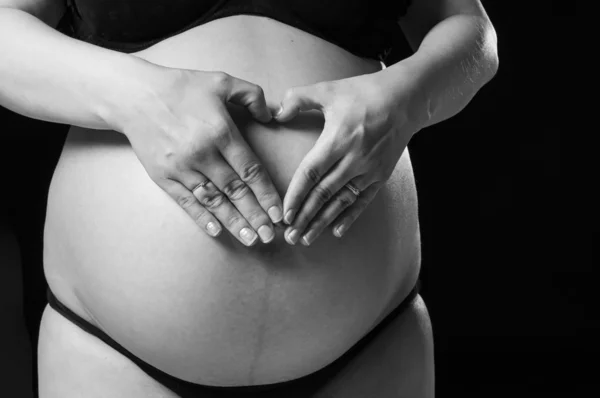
column 183, row 134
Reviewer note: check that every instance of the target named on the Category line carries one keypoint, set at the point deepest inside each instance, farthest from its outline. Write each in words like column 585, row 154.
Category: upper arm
column 422, row 15
column 48, row 11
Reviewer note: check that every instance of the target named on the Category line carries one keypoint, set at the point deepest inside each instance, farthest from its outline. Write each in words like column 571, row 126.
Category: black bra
column 365, row 28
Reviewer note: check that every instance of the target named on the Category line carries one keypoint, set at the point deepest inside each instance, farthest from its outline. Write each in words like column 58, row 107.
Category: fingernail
column 289, row 216
column 266, row 233
column 279, row 111
column 308, row 238
column 248, row 236
column 276, row 214
column 292, row 237
column 339, row 231
column 212, row 228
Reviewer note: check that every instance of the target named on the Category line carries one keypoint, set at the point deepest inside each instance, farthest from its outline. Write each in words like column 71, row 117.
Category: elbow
column 492, row 65
column 488, row 68
column 489, row 51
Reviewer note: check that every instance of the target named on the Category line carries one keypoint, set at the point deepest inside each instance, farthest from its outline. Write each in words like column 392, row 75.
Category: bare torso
column 122, row 254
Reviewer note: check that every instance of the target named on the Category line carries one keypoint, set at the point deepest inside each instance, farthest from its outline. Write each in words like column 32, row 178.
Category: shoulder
column 48, row 11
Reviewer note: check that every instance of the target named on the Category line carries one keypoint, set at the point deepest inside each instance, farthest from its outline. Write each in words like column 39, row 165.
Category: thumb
column 297, row 99
column 249, row 95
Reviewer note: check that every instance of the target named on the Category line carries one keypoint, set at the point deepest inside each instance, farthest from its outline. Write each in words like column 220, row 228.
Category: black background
column 503, row 277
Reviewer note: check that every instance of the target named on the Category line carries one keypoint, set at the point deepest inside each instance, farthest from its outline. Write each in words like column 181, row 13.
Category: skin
column 124, row 256
column 371, row 118
column 455, row 55
column 398, row 363
column 112, row 239
column 362, row 141
column 191, row 139
column 176, row 120
column 429, row 84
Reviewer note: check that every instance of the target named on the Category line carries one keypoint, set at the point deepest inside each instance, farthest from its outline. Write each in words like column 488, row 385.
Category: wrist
column 133, row 88
column 406, row 82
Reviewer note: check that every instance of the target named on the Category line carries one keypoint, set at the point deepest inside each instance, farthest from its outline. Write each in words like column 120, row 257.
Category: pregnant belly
column 123, row 255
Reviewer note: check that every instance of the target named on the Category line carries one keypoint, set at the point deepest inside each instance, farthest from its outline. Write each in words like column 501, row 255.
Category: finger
column 238, row 154
column 215, row 201
column 303, row 98
column 249, row 95
column 321, row 195
column 238, row 193
column 348, row 216
column 188, row 202
column 341, row 201
column 317, row 162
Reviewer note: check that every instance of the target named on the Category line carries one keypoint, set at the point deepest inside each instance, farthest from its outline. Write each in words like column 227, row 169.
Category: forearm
column 48, row 76
column 455, row 59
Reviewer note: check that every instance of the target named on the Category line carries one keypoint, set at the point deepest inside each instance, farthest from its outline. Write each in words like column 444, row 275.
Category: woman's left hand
column 368, row 124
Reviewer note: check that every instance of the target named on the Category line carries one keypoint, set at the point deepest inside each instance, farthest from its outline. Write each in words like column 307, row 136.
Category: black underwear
column 300, row 387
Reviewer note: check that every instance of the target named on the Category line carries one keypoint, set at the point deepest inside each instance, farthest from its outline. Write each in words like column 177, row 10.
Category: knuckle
column 186, row 201
column 252, row 172
column 256, row 218
column 179, row 166
column 213, row 200
column 312, row 175
column 234, row 220
column 330, row 148
column 200, row 219
column 160, row 174
column 164, row 165
column 258, row 91
column 360, row 131
column 235, row 189
column 323, row 193
column 221, row 135
column 325, row 87
column 220, row 79
column 289, row 94
column 346, row 200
